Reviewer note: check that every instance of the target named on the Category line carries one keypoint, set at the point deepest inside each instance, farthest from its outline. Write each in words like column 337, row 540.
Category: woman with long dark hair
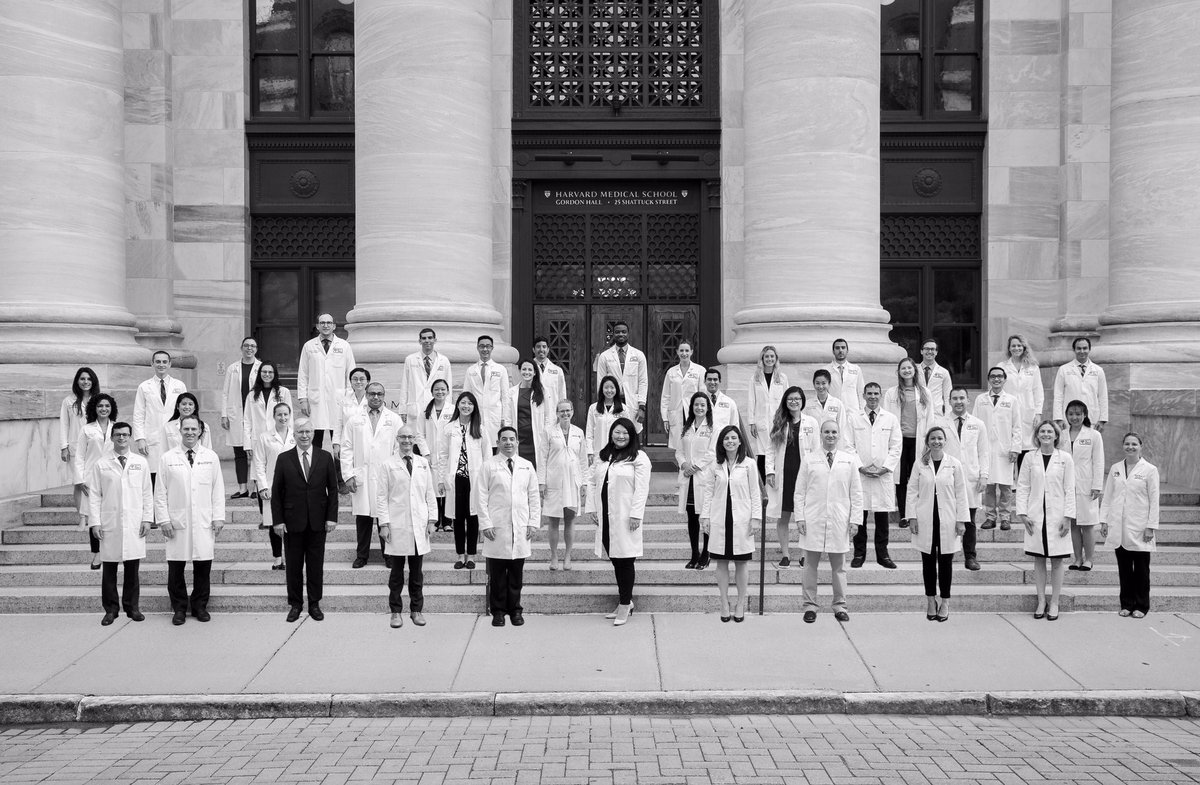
column 72, row 415
column 610, row 404
column 1087, row 450
column 793, row 435
column 620, row 488
column 186, row 405
column 525, row 409
column 733, row 498
column 465, row 445
column 93, row 443
column 258, row 410
column 693, row 455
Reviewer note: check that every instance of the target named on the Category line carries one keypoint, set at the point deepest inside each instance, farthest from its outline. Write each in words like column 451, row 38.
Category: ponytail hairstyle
column 429, row 406
column 1087, row 420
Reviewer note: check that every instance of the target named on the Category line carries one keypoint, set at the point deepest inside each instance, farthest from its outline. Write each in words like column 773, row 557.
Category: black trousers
column 416, row 584
column 364, row 524
column 305, row 551
column 466, row 525
column 177, row 586
column 937, row 567
column 693, row 522
column 276, row 540
column 969, row 537
column 93, row 541
column 881, row 536
column 131, row 590
column 1133, row 571
column 319, row 438
column 241, row 465
column 908, row 456
column 626, row 577
column 505, row 579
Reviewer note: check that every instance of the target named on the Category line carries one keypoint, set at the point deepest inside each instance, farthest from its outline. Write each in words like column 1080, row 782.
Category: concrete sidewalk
column 242, row 665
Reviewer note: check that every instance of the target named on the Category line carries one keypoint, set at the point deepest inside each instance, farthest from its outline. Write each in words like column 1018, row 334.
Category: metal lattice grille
column 929, row 237
column 616, row 53
column 302, row 237
column 559, row 342
column 559, row 272
column 616, row 256
column 673, row 335
column 673, row 250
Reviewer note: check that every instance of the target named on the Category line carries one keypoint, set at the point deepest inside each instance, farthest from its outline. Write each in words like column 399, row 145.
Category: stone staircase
column 44, row 569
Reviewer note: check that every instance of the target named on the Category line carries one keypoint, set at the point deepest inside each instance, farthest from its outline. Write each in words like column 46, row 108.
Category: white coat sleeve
column 302, row 373
column 349, row 437
column 230, row 370
column 218, row 494
column 1102, row 394
column 799, row 498
column 962, row 506
column 1097, row 462
column 1017, row 424
column 1060, row 383
column 430, row 495
column 1024, row 480
column 1039, row 395
column 443, row 458
column 147, row 498
column 535, row 506
column 895, row 447
column 64, row 424
column 589, row 434
column 983, row 448
column 162, row 510
column 1152, row 489
column 93, row 517
column 1106, row 497
column 857, row 501
column 752, row 401
column 643, row 382
column 383, row 492
column 139, row 415
column 1069, row 501
column 665, row 404
column 641, row 486
column 912, row 492
column 703, row 485
column 247, row 428
column 350, row 366
column 258, row 463
column 481, row 487
column 77, row 458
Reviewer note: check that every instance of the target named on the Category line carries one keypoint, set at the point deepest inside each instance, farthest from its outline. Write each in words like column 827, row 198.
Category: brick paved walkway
column 642, row 750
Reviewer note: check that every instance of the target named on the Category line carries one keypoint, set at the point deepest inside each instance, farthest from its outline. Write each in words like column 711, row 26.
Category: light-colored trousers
column 998, row 502
column 837, row 562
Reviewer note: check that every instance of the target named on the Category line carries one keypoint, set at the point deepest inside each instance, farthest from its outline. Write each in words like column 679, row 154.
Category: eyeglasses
column 375, row 395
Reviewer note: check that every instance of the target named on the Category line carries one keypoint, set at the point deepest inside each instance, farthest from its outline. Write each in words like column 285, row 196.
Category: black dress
column 525, row 440
column 726, row 553
column 791, row 467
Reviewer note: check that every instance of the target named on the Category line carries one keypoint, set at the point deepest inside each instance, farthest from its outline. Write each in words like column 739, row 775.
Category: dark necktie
column 543, row 367
column 995, row 399
column 121, row 458
column 621, row 355
column 325, row 344
column 1082, row 370
column 408, row 463
column 162, row 390
column 428, row 365
column 304, row 464
column 829, row 459
column 510, row 465
column 714, row 399
column 960, row 426
column 871, row 414
column 191, row 458
column 928, row 371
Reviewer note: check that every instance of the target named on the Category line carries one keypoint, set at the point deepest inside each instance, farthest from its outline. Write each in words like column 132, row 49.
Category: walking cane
column 762, row 560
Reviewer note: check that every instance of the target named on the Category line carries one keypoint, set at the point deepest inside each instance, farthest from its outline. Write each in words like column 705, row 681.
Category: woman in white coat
column 1128, row 521
column 265, row 452
column 1046, row 506
column 525, row 409
column 407, row 510
column 93, row 442
column 938, row 511
column 733, row 498
column 610, row 404
column 464, row 448
column 693, row 455
column 793, row 436
column 766, row 392
column 561, row 477
column 620, row 488
column 431, row 430
column 1087, row 450
column 910, row 402
column 186, row 405
column 1024, row 383
column 353, row 402
column 680, row 383
column 258, row 412
column 72, row 414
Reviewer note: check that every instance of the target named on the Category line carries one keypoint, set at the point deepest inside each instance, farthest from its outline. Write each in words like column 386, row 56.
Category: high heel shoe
column 741, row 617
column 931, row 608
column 1040, row 611
column 1052, row 616
column 725, row 614
column 943, row 606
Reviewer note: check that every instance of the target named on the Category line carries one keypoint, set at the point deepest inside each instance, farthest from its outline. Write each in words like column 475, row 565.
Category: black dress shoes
column 315, row 613
column 202, row 615
column 858, row 560
column 972, row 565
column 136, row 615
column 842, row 616
column 293, row 613
column 810, row 616
column 179, row 618
column 518, row 619
column 497, row 619
column 109, row 618
column 359, row 563
column 887, row 563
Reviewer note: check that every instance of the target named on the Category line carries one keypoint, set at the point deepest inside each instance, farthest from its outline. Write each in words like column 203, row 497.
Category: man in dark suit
column 304, row 503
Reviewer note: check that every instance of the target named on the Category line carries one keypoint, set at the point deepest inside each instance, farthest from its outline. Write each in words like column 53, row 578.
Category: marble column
column 811, row 114
column 423, row 169
column 1154, row 279
column 62, row 222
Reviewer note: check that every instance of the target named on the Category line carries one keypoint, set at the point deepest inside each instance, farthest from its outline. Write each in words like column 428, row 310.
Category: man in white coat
column 828, row 503
column 406, row 506
column 367, row 442
column 846, row 380
column 554, row 379
column 323, row 377
column 421, row 370
column 967, row 440
column 937, row 378
column 239, row 380
column 1001, row 413
column 510, row 511
column 875, row 436
column 488, row 382
column 627, row 365
column 1081, row 380
column 120, row 512
column 153, row 404
column 190, row 504
column 724, row 409
column 824, row 406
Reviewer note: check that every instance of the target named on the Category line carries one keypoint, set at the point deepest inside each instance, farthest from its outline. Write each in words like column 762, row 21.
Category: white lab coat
column 150, row 414
column 833, row 409
column 925, row 412
column 1054, row 487
column 598, row 426
column 634, row 380
column 879, row 444
column 737, row 484
column 322, row 379
column 828, row 500
column 265, row 452
column 696, row 447
column 677, row 391
column 447, row 461
column 415, row 384
column 92, row 444
column 554, row 385
column 490, row 388
column 232, row 403
column 407, row 504
column 763, row 402
column 938, row 386
column 563, row 471
column 848, row 385
column 1130, row 505
column 538, row 414
column 259, row 416
column 1071, row 385
column 430, row 433
column 725, row 412
column 949, row 487
column 1087, row 450
column 348, row 408
column 1003, row 422
column 363, row 451
column 810, row 439
column 509, row 504
column 172, row 437
column 628, row 490
column 121, row 500
column 70, row 423
column 191, row 498
column 1025, row 384
column 971, row 449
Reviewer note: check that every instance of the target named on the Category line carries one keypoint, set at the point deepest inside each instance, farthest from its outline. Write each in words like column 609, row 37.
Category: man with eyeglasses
column 421, row 370
column 935, row 378
column 367, row 442
column 323, row 377
column 1001, row 414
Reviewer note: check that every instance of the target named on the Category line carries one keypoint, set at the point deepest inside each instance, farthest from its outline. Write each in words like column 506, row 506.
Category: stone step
column 598, row 599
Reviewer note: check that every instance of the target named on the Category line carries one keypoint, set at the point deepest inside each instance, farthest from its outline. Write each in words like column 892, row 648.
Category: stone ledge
column 38, row 709
column 1089, row 703
column 414, row 704
column 160, row 708
column 941, row 703
column 673, row 702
